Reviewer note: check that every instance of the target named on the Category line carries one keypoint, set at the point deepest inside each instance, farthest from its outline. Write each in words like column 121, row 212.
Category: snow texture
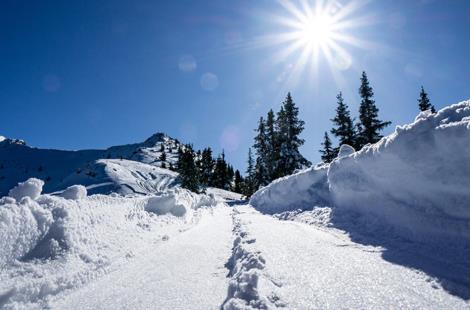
column 31, row 188
column 415, row 180
column 74, row 192
column 52, row 244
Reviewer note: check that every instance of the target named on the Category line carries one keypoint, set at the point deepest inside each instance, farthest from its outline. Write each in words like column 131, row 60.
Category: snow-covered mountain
column 131, row 168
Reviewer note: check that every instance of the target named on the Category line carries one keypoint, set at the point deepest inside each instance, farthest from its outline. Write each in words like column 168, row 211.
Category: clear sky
column 91, row 74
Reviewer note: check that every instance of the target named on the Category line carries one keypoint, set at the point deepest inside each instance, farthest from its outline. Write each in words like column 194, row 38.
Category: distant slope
column 59, row 168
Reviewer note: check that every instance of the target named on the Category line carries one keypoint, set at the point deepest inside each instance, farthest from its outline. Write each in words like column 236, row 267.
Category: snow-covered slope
column 60, row 169
column 416, row 180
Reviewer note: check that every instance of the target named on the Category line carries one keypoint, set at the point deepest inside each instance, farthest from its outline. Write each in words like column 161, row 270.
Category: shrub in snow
column 74, row 192
column 345, row 150
column 31, row 188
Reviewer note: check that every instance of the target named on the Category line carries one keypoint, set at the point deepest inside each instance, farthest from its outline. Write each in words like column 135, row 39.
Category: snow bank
column 31, row 188
column 178, row 202
column 74, row 192
column 302, row 190
column 55, row 243
column 416, row 180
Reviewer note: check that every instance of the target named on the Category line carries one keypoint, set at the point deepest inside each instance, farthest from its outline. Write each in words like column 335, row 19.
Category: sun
column 316, row 31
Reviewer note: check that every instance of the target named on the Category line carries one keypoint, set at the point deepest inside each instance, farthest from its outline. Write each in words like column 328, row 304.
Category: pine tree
column 370, row 126
column 328, row 153
column 188, row 173
column 424, row 103
column 220, row 177
column 162, row 147
column 238, row 183
column 250, row 176
column 163, row 159
column 261, row 151
column 289, row 129
column 206, row 167
column 343, row 124
column 272, row 147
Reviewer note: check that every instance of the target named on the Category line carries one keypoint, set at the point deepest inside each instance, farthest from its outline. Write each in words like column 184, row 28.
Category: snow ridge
column 245, row 270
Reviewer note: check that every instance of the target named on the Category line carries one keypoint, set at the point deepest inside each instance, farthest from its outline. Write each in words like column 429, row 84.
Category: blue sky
column 91, row 74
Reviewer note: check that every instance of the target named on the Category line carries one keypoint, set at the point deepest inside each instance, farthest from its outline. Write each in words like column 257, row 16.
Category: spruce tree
column 272, row 147
column 220, row 177
column 206, row 167
column 162, row 158
column 262, row 152
column 188, row 173
column 343, row 124
column 238, row 183
column 424, row 103
column 328, row 153
column 250, row 175
column 370, row 126
column 289, row 129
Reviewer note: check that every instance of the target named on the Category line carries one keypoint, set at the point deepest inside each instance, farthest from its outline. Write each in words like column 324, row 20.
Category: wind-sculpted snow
column 52, row 244
column 417, row 180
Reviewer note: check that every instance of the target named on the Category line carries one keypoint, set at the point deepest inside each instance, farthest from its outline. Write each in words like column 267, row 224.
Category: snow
column 302, row 190
column 345, row 150
column 184, row 272
column 2, row 138
column 74, row 192
column 415, row 180
column 385, row 227
column 298, row 266
column 60, row 169
column 31, row 188
column 52, row 245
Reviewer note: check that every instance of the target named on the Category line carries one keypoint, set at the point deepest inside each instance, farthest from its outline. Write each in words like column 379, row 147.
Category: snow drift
column 51, row 243
column 417, row 179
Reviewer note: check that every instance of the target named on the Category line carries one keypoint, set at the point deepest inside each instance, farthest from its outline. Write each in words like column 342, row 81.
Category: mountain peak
column 155, row 138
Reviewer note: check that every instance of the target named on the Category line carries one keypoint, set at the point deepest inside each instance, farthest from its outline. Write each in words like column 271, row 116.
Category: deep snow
column 416, row 180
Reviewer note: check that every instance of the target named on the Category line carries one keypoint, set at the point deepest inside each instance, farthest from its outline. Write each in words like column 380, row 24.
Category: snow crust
column 31, row 188
column 416, row 180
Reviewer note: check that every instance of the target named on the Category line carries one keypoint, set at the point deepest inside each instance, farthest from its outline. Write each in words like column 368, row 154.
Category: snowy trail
column 185, row 272
column 298, row 266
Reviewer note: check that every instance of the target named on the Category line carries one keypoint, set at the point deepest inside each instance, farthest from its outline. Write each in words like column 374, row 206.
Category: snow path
column 298, row 266
column 185, row 272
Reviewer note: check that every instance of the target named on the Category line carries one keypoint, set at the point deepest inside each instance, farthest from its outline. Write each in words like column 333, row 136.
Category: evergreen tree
column 424, row 103
column 163, row 159
column 238, row 183
column 206, row 167
column 250, row 175
column 261, row 151
column 343, row 124
column 220, row 177
column 162, row 147
column 370, row 126
column 328, row 153
column 289, row 129
column 272, row 147
column 188, row 173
